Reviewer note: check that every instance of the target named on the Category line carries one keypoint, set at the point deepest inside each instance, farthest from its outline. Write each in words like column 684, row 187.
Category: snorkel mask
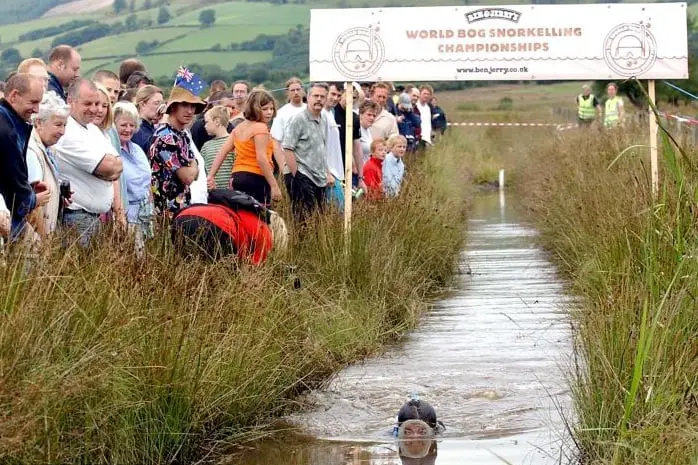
column 416, row 440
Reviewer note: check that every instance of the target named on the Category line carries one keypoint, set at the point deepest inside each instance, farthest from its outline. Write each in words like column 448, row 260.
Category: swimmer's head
column 415, row 409
column 415, row 429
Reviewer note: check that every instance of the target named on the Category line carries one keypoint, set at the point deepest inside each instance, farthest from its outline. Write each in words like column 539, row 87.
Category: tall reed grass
column 634, row 260
column 108, row 359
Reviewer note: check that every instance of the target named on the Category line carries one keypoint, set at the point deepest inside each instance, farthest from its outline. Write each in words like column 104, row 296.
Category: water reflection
column 301, row 451
column 488, row 359
column 417, row 451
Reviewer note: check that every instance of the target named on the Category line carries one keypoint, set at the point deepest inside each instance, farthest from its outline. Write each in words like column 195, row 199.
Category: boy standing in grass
column 216, row 125
column 373, row 169
column 393, row 166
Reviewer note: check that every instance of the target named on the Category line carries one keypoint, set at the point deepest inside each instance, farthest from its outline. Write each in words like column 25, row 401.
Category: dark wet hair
column 417, row 410
column 138, row 77
column 128, row 67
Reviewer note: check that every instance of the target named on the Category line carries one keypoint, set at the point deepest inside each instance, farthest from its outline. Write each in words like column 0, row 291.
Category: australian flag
column 190, row 81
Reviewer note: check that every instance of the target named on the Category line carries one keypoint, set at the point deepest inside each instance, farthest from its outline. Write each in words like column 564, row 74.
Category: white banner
column 523, row 42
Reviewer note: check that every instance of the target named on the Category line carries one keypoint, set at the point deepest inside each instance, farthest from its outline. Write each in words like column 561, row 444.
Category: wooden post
column 653, row 140
column 348, row 161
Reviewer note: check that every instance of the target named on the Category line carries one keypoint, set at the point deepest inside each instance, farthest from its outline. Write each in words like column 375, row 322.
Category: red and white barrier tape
column 558, row 126
column 682, row 119
column 565, row 126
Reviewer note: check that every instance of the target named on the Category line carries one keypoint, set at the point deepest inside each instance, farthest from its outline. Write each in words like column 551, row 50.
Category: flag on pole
column 189, row 81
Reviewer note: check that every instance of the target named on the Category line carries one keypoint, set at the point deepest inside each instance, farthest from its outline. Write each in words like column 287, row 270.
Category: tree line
column 16, row 11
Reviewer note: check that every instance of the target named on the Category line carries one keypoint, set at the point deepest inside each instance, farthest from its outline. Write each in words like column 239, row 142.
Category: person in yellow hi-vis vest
column 588, row 107
column 614, row 112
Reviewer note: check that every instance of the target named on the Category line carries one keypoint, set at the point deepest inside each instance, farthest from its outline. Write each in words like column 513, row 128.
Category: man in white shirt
column 425, row 111
column 385, row 124
column 88, row 161
column 334, row 150
column 295, row 105
column 199, row 188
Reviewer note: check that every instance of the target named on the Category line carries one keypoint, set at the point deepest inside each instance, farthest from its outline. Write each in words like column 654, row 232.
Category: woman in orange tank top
column 253, row 171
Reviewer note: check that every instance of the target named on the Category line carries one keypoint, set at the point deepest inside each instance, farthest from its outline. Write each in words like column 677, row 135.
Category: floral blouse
column 169, row 151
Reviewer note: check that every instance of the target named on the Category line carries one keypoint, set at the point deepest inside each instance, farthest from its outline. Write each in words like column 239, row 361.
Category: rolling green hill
column 16, row 11
column 248, row 38
column 182, row 38
column 236, row 22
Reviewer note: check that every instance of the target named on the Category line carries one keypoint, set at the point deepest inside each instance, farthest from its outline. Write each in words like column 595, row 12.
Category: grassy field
column 165, row 65
column 224, row 35
column 235, row 22
column 127, row 42
column 28, row 47
column 255, row 13
column 79, row 6
column 106, row 359
column 529, row 102
column 10, row 33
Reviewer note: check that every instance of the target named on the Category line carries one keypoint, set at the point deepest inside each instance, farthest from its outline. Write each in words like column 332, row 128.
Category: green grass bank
column 105, row 359
column 634, row 261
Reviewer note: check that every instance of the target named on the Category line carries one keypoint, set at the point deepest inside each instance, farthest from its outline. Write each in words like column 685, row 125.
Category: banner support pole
column 654, row 164
column 348, row 162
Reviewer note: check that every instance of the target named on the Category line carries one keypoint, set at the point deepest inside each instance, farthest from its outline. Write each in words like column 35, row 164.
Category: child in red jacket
column 373, row 169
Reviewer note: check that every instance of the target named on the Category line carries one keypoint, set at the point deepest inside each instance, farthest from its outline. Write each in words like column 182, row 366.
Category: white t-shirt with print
column 78, row 154
column 199, row 188
column 3, row 206
column 280, row 123
column 283, row 116
column 425, row 115
column 334, row 149
column 366, row 139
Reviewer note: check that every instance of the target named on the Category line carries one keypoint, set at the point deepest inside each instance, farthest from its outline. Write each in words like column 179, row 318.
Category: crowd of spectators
column 80, row 153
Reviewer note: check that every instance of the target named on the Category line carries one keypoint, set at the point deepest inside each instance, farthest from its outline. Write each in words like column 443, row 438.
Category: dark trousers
column 306, row 197
column 252, row 184
column 288, row 179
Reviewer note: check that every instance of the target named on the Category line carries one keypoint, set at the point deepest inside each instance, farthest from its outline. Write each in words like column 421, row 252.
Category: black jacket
column 14, row 184
column 438, row 119
column 144, row 136
column 340, row 115
column 54, row 85
column 198, row 132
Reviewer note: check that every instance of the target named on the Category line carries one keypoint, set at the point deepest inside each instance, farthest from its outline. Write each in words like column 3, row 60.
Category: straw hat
column 182, row 95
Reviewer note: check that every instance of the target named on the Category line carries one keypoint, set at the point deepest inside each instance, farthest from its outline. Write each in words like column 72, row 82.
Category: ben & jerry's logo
column 358, row 52
column 630, row 49
column 493, row 13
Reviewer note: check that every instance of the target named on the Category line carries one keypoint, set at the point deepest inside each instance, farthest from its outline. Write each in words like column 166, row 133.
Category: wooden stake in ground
column 653, row 139
column 348, row 158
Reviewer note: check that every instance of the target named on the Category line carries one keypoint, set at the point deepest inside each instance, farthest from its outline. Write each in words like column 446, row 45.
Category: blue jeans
column 86, row 224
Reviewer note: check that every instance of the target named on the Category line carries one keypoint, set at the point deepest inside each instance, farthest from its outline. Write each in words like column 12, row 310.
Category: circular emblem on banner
column 358, row 52
column 630, row 49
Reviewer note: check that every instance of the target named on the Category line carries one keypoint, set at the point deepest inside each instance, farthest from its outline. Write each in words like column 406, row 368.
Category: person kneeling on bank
column 231, row 224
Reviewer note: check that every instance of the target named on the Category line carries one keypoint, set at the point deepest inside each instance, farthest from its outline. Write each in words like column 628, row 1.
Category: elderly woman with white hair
column 49, row 127
column 136, row 175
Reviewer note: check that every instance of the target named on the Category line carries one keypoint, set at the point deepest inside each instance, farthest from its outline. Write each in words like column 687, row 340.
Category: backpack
column 236, row 200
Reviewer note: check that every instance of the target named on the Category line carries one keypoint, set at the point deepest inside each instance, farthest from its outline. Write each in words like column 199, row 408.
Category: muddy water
column 490, row 358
